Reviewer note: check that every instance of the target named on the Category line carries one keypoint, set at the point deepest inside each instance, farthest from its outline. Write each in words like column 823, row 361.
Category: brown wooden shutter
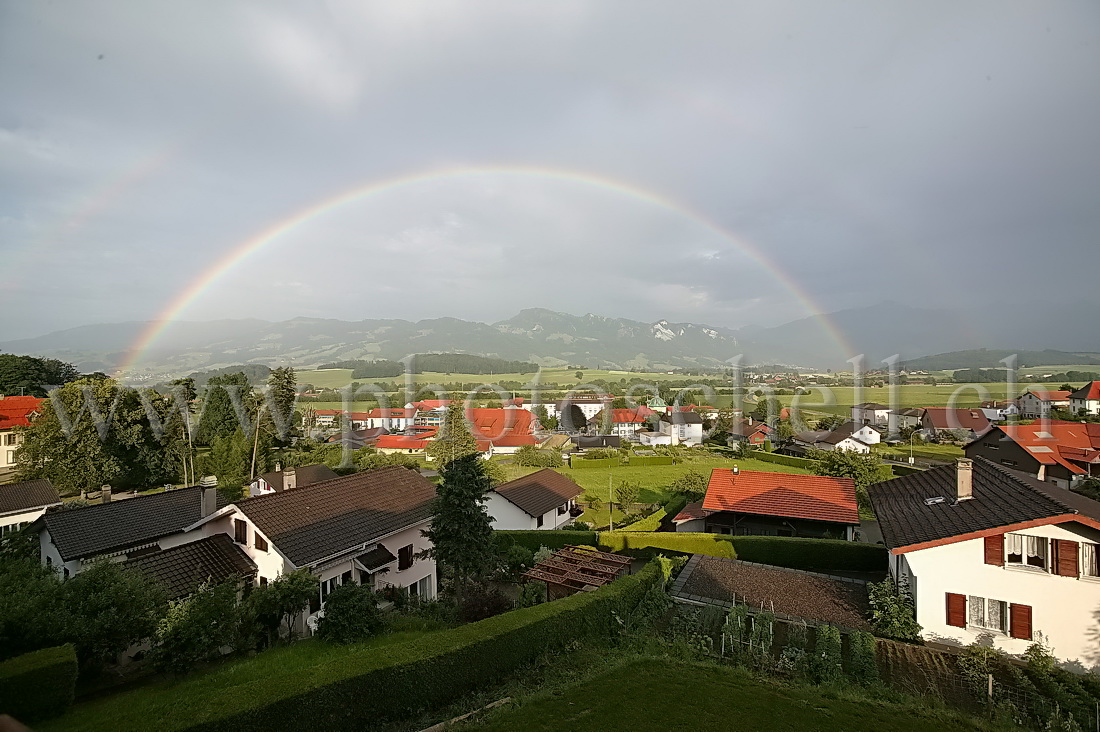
column 956, row 610
column 1065, row 558
column 995, row 550
column 1019, row 621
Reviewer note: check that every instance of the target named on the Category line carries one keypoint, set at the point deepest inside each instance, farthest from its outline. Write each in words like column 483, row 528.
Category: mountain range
column 544, row 336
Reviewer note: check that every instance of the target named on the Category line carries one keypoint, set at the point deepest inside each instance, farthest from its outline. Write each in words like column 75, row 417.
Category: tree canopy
column 30, row 376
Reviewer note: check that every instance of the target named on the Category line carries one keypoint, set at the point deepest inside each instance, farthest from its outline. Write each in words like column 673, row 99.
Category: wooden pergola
column 572, row 569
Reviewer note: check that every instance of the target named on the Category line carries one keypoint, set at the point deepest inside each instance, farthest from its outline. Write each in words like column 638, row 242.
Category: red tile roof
column 780, row 494
column 16, row 411
column 690, row 512
column 1056, row 442
column 1090, row 390
column 626, row 416
column 379, row 413
column 943, row 418
column 1050, row 396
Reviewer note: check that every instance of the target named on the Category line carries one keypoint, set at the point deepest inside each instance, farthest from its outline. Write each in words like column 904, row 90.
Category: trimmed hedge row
column 595, row 463
column 794, row 462
column 397, row 681
column 38, row 685
column 653, row 521
column 817, row 555
column 900, row 470
column 532, row 540
column 636, row 460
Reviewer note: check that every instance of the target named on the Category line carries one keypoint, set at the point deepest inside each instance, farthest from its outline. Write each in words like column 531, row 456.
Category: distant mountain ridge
column 986, row 358
column 552, row 338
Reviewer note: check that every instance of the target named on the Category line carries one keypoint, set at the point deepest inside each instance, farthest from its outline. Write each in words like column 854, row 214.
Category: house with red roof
column 779, row 504
column 964, row 425
column 498, row 431
column 623, row 423
column 390, row 419
column 15, row 411
column 1086, row 400
column 1053, row 451
column 1037, row 404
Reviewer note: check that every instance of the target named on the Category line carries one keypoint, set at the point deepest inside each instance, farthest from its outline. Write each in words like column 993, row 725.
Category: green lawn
column 926, row 450
column 336, row 378
column 169, row 704
column 653, row 695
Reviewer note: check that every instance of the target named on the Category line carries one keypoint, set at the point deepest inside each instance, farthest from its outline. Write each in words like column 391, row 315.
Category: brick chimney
column 290, row 479
column 105, row 494
column 964, row 479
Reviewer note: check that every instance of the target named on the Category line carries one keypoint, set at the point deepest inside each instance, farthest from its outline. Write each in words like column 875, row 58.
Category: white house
column 394, row 420
column 871, row 413
column 22, row 503
column 542, row 500
column 685, row 428
column 364, row 528
column 994, row 555
column 623, row 423
column 1037, row 404
column 848, row 437
column 1086, row 399
column 999, row 411
column 589, row 404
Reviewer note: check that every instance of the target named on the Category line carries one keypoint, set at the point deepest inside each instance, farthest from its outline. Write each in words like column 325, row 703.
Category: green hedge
column 637, row 460
column 38, row 685
column 401, row 680
column 533, row 539
column 794, row 462
column 595, row 463
column 900, row 470
column 647, row 544
column 820, row 555
column 653, row 521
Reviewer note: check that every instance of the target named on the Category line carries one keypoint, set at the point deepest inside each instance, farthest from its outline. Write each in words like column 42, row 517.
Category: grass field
column 337, row 378
column 654, row 695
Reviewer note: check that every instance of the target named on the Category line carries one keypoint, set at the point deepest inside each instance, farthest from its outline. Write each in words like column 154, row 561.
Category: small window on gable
column 1022, row 550
column 404, row 557
column 538, row 522
column 240, row 531
column 261, row 543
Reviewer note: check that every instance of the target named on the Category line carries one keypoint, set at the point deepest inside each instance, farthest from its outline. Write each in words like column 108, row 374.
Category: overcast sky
column 916, row 151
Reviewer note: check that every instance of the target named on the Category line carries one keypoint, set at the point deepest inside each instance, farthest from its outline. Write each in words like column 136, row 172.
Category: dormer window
column 1027, row 551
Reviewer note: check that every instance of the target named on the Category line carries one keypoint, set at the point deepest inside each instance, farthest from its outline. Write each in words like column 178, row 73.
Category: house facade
column 15, row 412
column 993, row 556
column 622, row 423
column 1052, row 451
column 23, row 503
column 962, row 425
column 871, row 413
column 684, row 427
column 1086, row 400
column 1037, row 404
column 542, row 500
column 290, row 478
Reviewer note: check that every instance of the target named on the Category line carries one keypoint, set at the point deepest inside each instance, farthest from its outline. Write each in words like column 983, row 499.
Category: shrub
column 481, row 601
column 893, row 614
column 861, row 657
column 790, row 460
column 516, row 560
column 196, row 628
column 595, row 463
column 649, row 544
column 691, row 484
column 531, row 594
column 825, row 662
column 351, row 615
column 38, row 685
column 531, row 457
column 653, row 521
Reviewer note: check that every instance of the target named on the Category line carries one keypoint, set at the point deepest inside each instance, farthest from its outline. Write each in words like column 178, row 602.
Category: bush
column 648, row 544
column 481, row 601
column 636, row 460
column 825, row 661
column 38, row 685
column 196, row 628
column 531, row 457
column 595, row 463
column 351, row 615
column 893, row 613
column 861, row 658
column 394, row 681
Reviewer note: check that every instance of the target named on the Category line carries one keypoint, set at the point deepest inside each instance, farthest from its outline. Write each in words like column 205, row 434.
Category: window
column 993, row 446
column 240, row 531
column 11, row 457
column 988, row 614
column 261, row 543
column 538, row 522
column 1089, row 566
column 263, row 581
column 9, row 439
column 563, row 509
column 1009, row 463
column 404, row 557
column 1026, row 551
column 422, row 588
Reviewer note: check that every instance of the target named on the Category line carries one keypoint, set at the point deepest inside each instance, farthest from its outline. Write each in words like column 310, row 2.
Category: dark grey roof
column 584, row 441
column 1001, row 497
column 377, row 557
column 303, row 476
column 27, row 495
column 341, row 514
column 183, row 568
column 111, row 527
column 872, row 405
column 689, row 417
column 539, row 492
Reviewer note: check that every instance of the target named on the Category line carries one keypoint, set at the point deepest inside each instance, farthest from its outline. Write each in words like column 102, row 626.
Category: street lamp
column 911, row 438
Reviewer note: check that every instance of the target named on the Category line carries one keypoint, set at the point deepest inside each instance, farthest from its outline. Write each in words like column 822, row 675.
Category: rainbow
column 246, row 249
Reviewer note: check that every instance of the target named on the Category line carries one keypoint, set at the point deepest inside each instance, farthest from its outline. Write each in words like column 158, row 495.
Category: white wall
column 697, row 526
column 507, row 516
column 22, row 517
column 1064, row 609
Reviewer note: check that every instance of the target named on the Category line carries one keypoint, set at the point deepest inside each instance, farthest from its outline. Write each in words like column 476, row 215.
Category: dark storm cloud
column 865, row 148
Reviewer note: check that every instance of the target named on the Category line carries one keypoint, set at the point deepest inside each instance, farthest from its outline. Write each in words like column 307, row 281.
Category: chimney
column 208, row 503
column 105, row 493
column 290, row 479
column 964, row 479
column 736, row 470
column 278, row 466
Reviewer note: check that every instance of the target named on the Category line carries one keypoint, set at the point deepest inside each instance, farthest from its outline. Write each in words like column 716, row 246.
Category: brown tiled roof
column 341, row 514
column 183, row 568
column 1001, row 497
column 539, row 492
column 27, row 495
column 111, row 527
column 303, row 476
